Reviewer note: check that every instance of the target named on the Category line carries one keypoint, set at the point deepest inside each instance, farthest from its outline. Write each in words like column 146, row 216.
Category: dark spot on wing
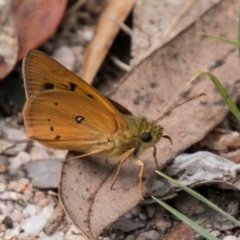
column 57, row 137
column 49, row 120
column 52, row 129
column 56, row 103
column 48, row 86
column 89, row 95
column 73, row 86
column 79, row 119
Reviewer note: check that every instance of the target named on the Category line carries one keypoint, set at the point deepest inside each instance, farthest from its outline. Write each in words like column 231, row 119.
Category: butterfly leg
column 82, row 156
column 139, row 163
column 125, row 157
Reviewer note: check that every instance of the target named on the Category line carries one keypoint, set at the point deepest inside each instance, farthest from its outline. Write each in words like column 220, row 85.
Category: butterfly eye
column 146, row 137
column 79, row 119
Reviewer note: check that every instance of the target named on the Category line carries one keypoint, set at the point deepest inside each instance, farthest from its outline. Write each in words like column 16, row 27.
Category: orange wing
column 68, row 120
column 43, row 73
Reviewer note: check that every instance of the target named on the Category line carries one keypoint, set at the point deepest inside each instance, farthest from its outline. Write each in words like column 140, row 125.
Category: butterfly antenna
column 178, row 105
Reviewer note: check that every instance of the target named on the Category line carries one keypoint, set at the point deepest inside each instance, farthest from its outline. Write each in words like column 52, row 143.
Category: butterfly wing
column 43, row 73
column 68, row 120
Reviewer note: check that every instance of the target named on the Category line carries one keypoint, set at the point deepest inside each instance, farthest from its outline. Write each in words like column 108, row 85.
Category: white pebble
column 9, row 195
column 5, row 209
column 65, row 56
column 33, row 225
column 13, row 134
column 85, row 34
column 30, row 210
column 12, row 233
column 230, row 237
column 2, row 187
column 18, row 161
column 16, row 215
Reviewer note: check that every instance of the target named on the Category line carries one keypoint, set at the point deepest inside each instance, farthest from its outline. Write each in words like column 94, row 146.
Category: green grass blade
column 238, row 29
column 223, row 39
column 186, row 220
column 201, row 198
column 232, row 106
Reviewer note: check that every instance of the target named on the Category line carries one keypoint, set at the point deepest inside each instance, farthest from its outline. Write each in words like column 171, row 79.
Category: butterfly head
column 141, row 134
column 149, row 135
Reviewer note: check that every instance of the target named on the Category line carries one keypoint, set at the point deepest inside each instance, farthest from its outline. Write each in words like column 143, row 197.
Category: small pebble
column 2, row 187
column 151, row 210
column 11, row 234
column 162, row 225
column 27, row 195
column 86, row 35
column 30, row 210
column 136, row 210
column 131, row 237
column 18, row 161
column 10, row 195
column 33, row 225
column 43, row 203
column 12, row 185
column 215, row 233
column 150, row 235
column 13, row 134
column 65, row 56
column 39, row 196
column 8, row 222
column 25, row 181
column 142, row 216
column 128, row 215
column 3, row 164
column 230, row 238
column 16, row 215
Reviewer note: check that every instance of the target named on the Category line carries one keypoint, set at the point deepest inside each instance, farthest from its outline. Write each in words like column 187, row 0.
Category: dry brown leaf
column 36, row 21
column 106, row 31
column 149, row 89
column 8, row 39
column 157, row 22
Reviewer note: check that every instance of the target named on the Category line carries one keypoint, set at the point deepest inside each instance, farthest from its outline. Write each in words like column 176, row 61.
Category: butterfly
column 62, row 111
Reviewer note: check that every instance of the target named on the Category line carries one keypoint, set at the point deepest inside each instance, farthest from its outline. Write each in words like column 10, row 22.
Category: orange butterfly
column 62, row 111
